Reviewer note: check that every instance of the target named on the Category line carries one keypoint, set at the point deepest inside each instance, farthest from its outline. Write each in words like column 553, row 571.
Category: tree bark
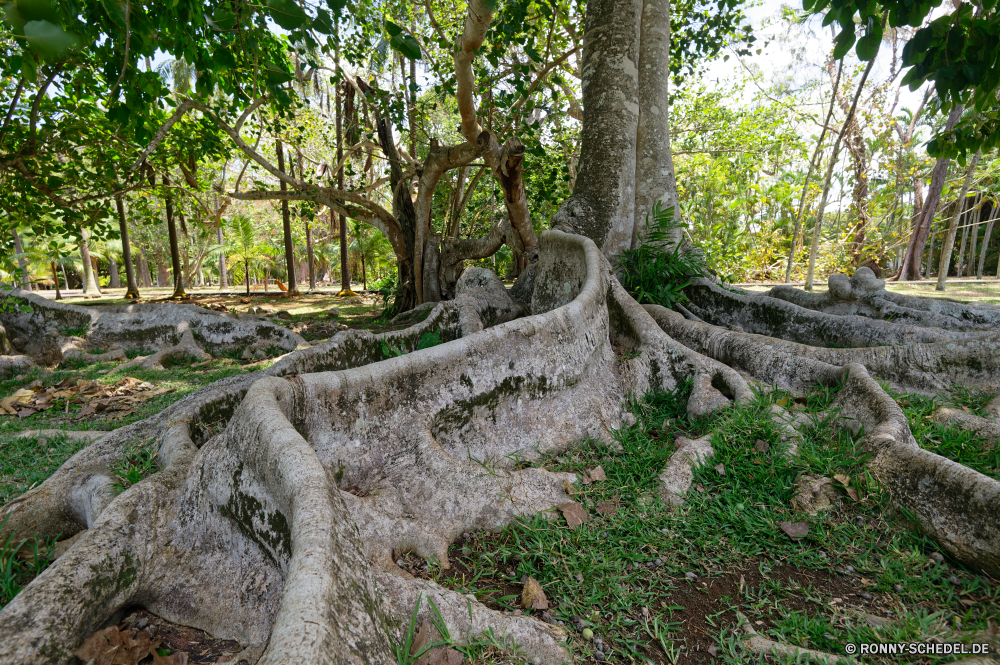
column 829, row 175
column 132, row 289
column 286, row 223
column 986, row 240
column 21, row 261
column 175, row 254
column 654, row 167
column 55, row 278
column 602, row 205
column 949, row 243
column 114, row 279
column 812, row 165
column 89, row 281
column 922, row 226
column 223, row 277
column 345, row 269
column 145, row 278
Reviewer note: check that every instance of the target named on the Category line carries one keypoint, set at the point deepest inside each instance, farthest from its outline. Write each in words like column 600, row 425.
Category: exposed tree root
column 952, row 503
column 756, row 643
column 185, row 348
column 252, row 536
column 677, row 477
column 285, row 496
column 865, row 295
column 984, row 428
column 141, row 326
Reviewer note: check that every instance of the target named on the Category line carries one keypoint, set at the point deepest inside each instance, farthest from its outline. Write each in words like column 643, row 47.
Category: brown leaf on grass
column 113, row 646
column 721, row 469
column 607, row 507
column 568, row 487
column 597, row 474
column 842, row 479
column 533, row 596
column 700, row 488
column 574, row 513
column 851, row 492
column 420, row 639
column 96, row 397
column 762, row 446
column 795, row 530
column 441, row 656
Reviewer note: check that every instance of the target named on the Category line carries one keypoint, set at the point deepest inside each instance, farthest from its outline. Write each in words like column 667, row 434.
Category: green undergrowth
column 625, row 574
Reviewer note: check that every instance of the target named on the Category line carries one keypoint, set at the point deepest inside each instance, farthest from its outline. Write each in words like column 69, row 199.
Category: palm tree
column 243, row 248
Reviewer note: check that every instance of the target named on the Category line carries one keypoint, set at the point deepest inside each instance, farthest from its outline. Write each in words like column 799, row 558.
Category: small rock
column 865, row 595
column 821, row 554
column 142, row 622
column 657, row 562
column 579, row 577
column 465, row 536
column 518, row 612
column 247, row 354
column 849, row 570
column 955, row 581
column 599, row 655
column 400, row 562
column 936, row 557
column 691, row 576
column 898, row 588
column 546, row 617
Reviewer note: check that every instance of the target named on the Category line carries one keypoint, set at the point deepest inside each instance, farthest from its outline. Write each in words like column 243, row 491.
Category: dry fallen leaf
column 441, row 656
column 113, row 646
column 568, row 487
column 851, row 492
column 533, row 597
column 574, row 513
column 597, row 473
column 721, row 469
column 842, row 479
column 607, row 508
column 761, row 446
column 795, row 530
column 420, row 640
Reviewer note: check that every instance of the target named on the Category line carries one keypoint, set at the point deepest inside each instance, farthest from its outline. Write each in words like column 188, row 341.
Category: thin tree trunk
column 829, row 175
column 812, row 165
column 974, row 236
column 65, row 276
column 145, row 278
column 223, row 276
column 89, row 281
column 114, row 279
column 55, row 278
column 345, row 270
column 131, row 288
column 22, row 263
column 175, row 254
column 986, row 241
column 922, row 226
column 949, row 243
column 286, row 223
column 960, row 261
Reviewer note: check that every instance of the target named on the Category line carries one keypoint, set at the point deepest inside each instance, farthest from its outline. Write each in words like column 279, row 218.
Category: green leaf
column 844, row 41
column 48, row 40
column 287, row 14
column 36, row 10
column 869, row 44
column 223, row 19
column 392, row 28
column 323, row 22
column 406, row 45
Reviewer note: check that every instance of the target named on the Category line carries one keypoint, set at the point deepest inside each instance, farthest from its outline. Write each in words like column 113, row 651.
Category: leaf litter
column 121, row 398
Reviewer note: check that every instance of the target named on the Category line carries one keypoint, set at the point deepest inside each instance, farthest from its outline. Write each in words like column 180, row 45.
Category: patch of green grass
column 134, row 353
column 17, row 571
column 26, row 462
column 973, row 399
column 75, row 331
column 623, row 572
column 135, row 463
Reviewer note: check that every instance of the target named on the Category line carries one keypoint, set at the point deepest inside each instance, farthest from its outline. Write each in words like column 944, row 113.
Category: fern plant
column 655, row 273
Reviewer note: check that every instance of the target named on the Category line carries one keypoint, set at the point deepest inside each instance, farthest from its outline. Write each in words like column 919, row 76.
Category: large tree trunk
column 602, row 205
column 654, row 167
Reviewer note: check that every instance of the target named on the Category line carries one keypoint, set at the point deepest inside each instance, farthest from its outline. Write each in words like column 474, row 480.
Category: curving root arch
column 285, row 496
